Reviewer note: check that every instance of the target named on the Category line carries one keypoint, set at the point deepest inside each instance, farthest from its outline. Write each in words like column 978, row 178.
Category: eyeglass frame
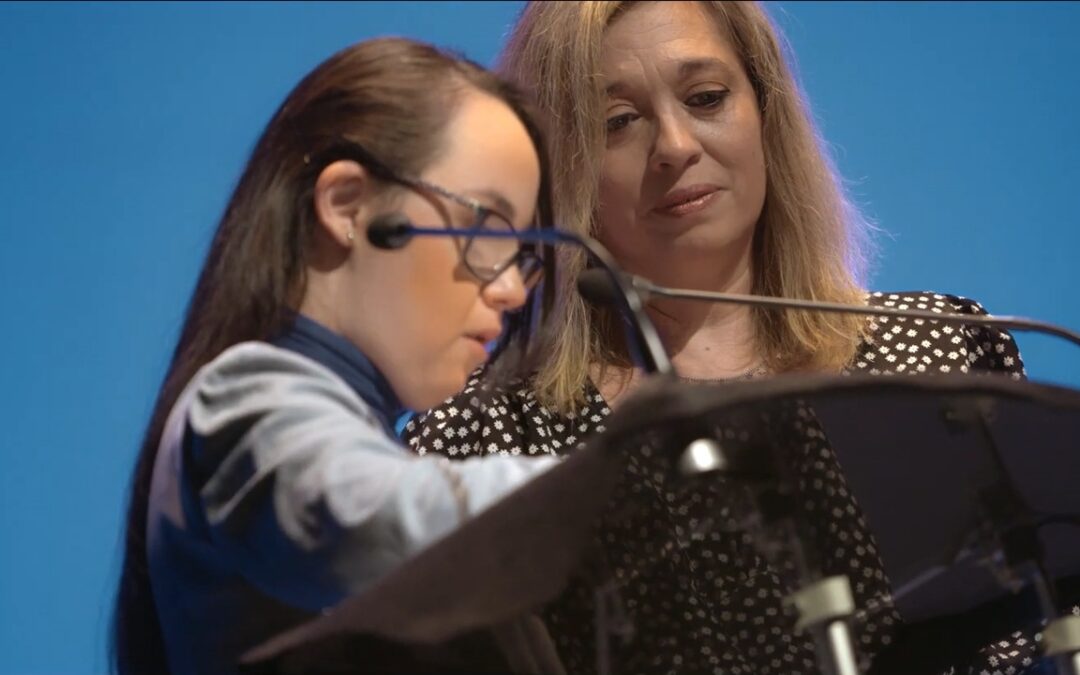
column 524, row 257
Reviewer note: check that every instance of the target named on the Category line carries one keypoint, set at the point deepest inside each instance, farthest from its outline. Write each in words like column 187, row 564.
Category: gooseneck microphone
column 596, row 288
column 391, row 231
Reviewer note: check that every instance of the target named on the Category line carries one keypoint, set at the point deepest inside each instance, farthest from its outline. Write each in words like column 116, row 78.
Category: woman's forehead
column 680, row 40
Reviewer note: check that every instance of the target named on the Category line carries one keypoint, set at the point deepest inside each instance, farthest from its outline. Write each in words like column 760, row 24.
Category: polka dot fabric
column 700, row 597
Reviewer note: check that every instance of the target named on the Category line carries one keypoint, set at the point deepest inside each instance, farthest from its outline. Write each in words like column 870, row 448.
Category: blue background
column 126, row 125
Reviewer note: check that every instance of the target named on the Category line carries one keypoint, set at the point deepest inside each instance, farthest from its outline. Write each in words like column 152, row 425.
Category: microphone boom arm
column 1011, row 322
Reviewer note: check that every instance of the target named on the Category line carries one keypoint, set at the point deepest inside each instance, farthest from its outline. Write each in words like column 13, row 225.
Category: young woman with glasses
column 270, row 484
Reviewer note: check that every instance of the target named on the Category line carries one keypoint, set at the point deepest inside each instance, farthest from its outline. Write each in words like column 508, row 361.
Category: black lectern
column 968, row 484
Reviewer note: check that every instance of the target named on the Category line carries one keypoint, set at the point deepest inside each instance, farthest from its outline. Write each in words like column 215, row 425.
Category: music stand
column 979, row 463
column 968, row 483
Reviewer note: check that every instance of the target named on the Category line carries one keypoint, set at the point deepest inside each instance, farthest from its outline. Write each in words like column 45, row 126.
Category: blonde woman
column 679, row 138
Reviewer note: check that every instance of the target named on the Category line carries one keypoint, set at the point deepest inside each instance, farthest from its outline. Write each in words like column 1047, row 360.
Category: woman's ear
column 341, row 192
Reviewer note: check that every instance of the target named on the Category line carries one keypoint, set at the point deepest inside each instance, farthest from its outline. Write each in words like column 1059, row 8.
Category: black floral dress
column 702, row 599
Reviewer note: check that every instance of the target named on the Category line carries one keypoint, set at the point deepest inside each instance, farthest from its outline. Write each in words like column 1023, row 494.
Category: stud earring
column 349, row 234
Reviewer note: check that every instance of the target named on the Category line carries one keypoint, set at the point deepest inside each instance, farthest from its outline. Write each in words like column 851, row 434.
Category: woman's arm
column 304, row 492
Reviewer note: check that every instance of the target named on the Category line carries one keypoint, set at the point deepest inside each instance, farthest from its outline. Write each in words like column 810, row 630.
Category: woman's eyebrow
column 684, row 69
column 497, row 200
column 691, row 67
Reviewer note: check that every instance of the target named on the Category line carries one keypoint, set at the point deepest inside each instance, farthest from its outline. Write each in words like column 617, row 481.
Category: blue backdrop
column 126, row 125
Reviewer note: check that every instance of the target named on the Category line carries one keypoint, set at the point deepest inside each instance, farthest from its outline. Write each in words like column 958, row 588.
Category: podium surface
column 917, row 453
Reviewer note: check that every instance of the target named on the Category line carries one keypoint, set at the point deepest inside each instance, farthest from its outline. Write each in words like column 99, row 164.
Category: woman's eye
column 707, row 99
column 619, row 122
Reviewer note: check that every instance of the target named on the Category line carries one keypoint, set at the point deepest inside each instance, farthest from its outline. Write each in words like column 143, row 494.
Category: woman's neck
column 706, row 341
column 709, row 340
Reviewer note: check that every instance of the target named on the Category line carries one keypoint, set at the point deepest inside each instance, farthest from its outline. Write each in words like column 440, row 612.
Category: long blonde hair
column 809, row 241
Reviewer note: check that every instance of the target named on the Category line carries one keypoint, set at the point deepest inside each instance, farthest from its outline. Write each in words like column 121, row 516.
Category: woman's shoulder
column 484, row 398
column 261, row 401
column 250, row 380
column 900, row 344
column 247, row 368
column 257, row 357
column 925, row 300
column 489, row 417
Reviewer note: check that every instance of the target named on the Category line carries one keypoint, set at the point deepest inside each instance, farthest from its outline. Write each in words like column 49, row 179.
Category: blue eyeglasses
column 485, row 257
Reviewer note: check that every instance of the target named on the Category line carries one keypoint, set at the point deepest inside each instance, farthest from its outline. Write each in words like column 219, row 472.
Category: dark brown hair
column 393, row 97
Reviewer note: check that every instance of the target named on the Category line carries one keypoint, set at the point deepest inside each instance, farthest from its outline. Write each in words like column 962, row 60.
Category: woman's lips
column 477, row 347
column 481, row 339
column 687, row 201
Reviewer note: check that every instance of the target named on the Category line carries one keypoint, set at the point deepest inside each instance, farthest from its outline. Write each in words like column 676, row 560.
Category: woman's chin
column 432, row 392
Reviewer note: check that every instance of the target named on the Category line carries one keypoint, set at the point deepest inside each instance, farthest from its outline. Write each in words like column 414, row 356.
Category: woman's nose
column 505, row 292
column 676, row 146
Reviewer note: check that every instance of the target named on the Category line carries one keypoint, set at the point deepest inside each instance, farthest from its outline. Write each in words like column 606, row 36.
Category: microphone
column 595, row 288
column 389, row 231
column 392, row 231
